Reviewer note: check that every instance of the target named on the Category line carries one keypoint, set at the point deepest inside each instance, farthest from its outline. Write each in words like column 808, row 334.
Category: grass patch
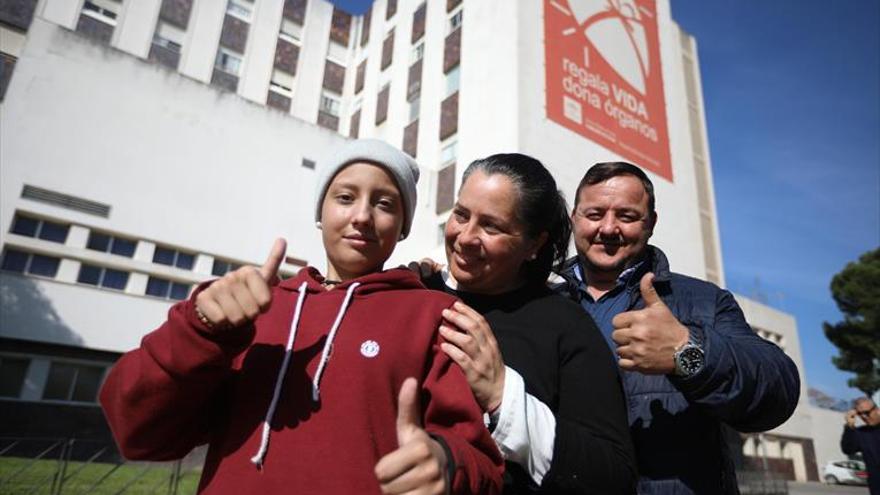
column 22, row 476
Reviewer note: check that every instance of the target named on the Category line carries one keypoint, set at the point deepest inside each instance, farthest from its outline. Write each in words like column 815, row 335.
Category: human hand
column 647, row 338
column 239, row 296
column 851, row 418
column 473, row 346
column 424, row 268
column 418, row 466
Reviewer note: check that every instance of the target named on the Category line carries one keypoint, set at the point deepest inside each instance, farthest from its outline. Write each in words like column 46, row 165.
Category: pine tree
column 856, row 290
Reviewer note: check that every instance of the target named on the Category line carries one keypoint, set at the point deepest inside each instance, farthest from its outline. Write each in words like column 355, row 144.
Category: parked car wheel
column 831, row 480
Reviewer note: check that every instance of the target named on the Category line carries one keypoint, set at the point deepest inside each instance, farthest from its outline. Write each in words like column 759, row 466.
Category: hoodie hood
column 392, row 279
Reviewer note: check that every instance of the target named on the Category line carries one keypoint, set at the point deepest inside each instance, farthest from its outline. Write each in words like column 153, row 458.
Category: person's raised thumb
column 409, row 416
column 649, row 293
column 269, row 270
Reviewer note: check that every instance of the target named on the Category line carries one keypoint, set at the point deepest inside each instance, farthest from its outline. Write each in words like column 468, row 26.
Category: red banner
column 603, row 77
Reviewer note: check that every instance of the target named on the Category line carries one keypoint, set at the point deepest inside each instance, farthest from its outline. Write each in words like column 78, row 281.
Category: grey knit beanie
column 402, row 167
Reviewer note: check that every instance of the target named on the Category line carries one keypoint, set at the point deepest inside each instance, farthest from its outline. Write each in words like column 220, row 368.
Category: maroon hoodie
column 187, row 386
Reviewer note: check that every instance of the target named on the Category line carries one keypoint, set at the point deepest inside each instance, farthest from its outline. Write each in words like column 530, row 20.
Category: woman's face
column 485, row 243
column 361, row 220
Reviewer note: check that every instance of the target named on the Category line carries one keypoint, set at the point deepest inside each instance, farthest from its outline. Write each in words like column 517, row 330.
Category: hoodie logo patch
column 370, row 348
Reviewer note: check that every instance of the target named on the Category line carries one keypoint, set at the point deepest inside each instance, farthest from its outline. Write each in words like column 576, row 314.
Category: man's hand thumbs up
column 269, row 270
column 409, row 415
column 419, row 464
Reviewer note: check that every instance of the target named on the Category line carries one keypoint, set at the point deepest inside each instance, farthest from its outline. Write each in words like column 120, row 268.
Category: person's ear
column 538, row 244
column 652, row 222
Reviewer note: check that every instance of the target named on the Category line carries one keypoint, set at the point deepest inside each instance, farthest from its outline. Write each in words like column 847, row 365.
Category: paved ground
column 814, row 488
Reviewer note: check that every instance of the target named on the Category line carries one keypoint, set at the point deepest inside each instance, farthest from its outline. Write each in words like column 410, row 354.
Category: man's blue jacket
column 747, row 383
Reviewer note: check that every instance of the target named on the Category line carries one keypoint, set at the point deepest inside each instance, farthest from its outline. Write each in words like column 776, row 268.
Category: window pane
column 164, row 256
column 89, row 274
column 54, row 232
column 114, row 279
column 60, row 379
column 185, row 260
column 220, row 268
column 452, row 81
column 12, row 373
column 45, row 266
column 98, row 241
column 25, row 226
column 157, row 287
column 87, row 382
column 123, row 247
column 14, row 261
column 179, row 291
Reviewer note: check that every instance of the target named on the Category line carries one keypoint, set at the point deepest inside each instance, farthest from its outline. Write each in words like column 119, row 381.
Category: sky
column 791, row 92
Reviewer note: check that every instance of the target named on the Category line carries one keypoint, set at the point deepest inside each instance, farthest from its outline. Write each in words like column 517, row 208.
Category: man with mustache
column 690, row 363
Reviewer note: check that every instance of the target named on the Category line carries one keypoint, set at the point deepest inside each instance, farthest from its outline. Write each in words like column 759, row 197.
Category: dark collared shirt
column 613, row 302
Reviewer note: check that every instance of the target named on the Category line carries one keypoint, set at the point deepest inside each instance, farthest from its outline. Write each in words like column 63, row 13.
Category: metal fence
column 70, row 466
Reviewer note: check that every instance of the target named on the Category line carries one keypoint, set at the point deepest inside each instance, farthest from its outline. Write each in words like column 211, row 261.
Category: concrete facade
column 182, row 164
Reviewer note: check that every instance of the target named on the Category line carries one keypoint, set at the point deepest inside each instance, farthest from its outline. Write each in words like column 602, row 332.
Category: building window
column 12, row 373
column 330, row 105
column 387, row 50
column 102, row 277
column 173, row 257
column 166, row 289
column 417, row 53
column 168, row 37
column 452, row 81
column 455, row 20
column 281, row 82
column 41, row 229
column 7, row 65
column 382, row 104
column 107, row 243
column 241, row 9
column 73, row 382
column 228, row 61
column 414, row 109
column 31, row 263
column 448, row 154
column 441, row 234
column 104, row 10
column 222, row 267
column 390, row 9
column 291, row 31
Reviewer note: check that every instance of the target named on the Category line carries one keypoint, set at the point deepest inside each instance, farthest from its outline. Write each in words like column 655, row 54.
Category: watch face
column 690, row 360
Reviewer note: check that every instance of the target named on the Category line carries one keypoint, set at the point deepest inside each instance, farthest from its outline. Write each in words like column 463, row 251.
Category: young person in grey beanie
column 247, row 358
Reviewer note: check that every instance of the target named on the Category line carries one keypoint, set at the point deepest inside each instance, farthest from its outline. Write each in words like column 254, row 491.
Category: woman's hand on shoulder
column 419, row 465
column 471, row 343
column 240, row 296
column 424, row 268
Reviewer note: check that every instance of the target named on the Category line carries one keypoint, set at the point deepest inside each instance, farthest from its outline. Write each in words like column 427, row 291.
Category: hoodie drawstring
column 325, row 354
column 260, row 456
column 288, row 352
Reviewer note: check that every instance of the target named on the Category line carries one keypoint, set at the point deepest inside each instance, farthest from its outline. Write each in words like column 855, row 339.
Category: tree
column 856, row 290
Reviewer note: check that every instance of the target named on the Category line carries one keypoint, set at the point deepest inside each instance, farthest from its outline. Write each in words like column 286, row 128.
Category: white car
column 845, row 473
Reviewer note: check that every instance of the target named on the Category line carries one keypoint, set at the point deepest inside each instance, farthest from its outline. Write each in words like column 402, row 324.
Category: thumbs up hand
column 241, row 295
column 647, row 338
column 418, row 466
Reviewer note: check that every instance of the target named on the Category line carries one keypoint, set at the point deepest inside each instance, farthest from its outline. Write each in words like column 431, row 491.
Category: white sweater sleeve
column 525, row 428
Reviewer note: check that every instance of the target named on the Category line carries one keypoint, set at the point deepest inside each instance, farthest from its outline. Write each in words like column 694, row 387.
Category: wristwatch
column 689, row 358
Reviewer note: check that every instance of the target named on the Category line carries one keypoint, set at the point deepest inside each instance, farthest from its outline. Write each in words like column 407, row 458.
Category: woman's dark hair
column 540, row 208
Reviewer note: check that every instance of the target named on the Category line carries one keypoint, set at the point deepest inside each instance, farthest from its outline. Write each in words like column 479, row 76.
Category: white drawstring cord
column 267, row 428
column 325, row 355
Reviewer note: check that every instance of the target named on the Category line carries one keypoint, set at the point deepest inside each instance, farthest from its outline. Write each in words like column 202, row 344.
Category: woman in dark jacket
column 536, row 362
